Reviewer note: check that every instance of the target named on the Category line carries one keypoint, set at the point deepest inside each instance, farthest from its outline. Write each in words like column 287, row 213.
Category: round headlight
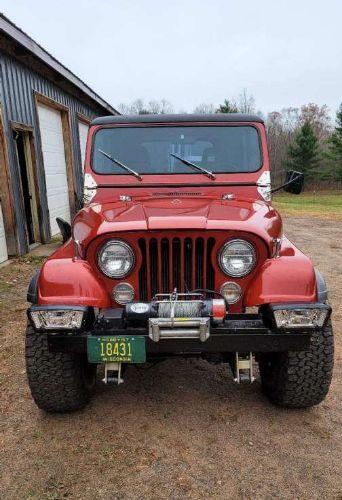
column 116, row 259
column 231, row 292
column 237, row 258
column 123, row 293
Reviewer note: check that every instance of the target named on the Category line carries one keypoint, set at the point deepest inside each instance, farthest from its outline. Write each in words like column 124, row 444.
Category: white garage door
column 83, row 132
column 3, row 246
column 51, row 132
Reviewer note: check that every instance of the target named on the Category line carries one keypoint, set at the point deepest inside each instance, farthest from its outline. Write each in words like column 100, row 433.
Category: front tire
column 59, row 382
column 300, row 379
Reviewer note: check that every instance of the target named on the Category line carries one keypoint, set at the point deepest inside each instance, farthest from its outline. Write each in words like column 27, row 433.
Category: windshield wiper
column 196, row 167
column 122, row 165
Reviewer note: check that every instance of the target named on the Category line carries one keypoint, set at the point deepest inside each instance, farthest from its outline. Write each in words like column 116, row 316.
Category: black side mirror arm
column 283, row 186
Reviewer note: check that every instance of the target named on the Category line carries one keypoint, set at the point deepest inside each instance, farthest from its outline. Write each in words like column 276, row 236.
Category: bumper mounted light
column 301, row 316
column 57, row 317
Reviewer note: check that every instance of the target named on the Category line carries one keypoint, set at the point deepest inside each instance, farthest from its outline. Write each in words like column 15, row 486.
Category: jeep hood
column 165, row 213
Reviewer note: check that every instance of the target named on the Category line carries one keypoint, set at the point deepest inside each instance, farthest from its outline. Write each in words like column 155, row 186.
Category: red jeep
column 178, row 252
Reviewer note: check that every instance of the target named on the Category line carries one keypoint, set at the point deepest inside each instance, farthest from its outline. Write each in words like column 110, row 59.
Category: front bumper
column 239, row 333
column 257, row 333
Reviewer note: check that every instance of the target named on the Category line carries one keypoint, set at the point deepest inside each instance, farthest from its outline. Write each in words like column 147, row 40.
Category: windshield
column 150, row 150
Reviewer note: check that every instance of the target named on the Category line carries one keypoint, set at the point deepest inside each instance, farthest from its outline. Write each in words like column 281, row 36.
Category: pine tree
column 227, row 107
column 303, row 153
column 334, row 152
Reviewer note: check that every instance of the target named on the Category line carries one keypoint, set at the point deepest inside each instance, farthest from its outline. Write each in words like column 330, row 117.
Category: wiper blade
column 122, row 165
column 196, row 167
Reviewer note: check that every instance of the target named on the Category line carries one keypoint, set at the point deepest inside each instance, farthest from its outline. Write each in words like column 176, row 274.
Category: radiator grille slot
column 168, row 263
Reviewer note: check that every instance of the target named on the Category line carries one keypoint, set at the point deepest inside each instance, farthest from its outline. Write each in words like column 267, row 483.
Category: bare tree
column 204, row 108
column 319, row 119
column 246, row 102
column 138, row 107
column 282, row 127
column 166, row 107
column 154, row 107
column 290, row 118
column 124, row 109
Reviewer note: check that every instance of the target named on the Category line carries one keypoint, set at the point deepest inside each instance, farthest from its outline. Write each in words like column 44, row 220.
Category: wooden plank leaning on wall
column 6, row 194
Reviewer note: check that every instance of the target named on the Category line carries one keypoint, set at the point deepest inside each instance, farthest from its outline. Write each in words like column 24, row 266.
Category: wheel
column 299, row 379
column 59, row 382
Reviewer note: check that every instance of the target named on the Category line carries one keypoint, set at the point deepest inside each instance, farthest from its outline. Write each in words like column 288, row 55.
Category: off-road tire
column 59, row 382
column 299, row 379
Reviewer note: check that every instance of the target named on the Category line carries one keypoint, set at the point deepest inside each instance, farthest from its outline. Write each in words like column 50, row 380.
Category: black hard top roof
column 213, row 117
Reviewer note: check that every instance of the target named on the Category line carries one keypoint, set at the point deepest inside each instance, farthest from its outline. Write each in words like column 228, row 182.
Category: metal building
column 44, row 115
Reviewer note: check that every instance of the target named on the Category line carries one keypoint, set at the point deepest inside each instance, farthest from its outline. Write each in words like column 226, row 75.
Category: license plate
column 116, row 349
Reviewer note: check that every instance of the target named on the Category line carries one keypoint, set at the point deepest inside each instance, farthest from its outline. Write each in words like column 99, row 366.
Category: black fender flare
column 32, row 292
column 322, row 290
column 65, row 228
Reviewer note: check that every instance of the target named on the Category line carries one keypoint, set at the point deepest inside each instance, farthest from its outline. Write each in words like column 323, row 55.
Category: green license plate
column 116, row 349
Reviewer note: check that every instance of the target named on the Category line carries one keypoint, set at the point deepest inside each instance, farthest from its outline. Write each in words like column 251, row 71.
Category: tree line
column 303, row 138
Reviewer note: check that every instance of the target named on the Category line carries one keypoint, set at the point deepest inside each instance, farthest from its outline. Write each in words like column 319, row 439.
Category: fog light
column 123, row 293
column 57, row 319
column 231, row 292
column 301, row 317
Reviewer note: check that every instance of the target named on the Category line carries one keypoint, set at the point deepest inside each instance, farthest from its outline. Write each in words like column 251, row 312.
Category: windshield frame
column 178, row 124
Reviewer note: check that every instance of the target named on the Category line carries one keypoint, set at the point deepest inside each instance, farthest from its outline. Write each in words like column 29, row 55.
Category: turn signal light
column 301, row 316
column 57, row 319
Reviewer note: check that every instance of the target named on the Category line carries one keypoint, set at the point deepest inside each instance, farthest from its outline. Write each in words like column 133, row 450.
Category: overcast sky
column 285, row 53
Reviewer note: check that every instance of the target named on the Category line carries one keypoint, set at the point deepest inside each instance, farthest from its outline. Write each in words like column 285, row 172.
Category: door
column 23, row 141
column 51, row 132
column 3, row 246
column 83, row 133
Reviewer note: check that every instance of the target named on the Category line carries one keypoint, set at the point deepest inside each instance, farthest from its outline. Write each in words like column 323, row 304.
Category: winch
column 177, row 315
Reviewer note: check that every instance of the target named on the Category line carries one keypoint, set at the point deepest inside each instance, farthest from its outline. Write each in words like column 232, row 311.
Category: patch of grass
column 39, row 464
column 31, row 494
column 317, row 204
column 55, row 239
column 31, row 259
column 4, row 287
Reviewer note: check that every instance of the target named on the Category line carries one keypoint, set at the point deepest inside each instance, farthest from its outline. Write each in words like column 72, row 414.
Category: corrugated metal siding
column 17, row 86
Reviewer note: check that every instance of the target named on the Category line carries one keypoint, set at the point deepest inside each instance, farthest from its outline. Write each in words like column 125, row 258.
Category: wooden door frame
column 7, row 194
column 83, row 118
column 41, row 99
column 86, row 121
column 32, row 176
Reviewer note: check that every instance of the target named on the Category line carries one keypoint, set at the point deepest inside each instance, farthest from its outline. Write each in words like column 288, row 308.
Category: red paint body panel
column 288, row 278
column 71, row 282
column 205, row 213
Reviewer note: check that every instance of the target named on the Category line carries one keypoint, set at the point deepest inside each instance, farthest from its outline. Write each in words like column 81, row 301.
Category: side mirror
column 294, row 182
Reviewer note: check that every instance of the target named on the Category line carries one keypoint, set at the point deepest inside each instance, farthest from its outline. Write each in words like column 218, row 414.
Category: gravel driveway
column 179, row 429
